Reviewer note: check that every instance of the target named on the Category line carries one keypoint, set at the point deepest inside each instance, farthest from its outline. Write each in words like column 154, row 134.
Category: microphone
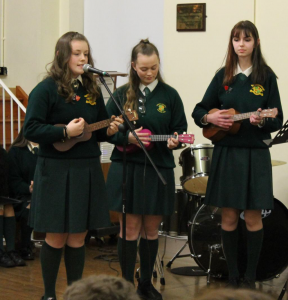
column 88, row 68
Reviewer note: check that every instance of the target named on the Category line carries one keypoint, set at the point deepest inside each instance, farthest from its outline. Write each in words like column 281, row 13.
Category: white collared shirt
column 79, row 78
column 151, row 86
column 247, row 72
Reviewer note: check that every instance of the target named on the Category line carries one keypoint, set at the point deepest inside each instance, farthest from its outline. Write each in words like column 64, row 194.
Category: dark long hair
column 259, row 66
column 61, row 72
column 20, row 140
column 146, row 48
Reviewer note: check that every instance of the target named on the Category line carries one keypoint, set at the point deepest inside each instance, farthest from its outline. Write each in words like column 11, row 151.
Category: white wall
column 114, row 27
column 32, row 28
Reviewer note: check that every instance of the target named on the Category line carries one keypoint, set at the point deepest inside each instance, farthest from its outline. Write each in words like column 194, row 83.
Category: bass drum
column 205, row 231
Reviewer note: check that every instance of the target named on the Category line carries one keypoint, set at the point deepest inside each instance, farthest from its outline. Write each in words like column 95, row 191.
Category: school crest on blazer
column 161, row 108
column 257, row 89
column 90, row 100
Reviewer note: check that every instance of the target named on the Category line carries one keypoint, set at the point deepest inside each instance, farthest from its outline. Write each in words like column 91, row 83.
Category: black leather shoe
column 233, row 283
column 146, row 291
column 248, row 284
column 5, row 260
column 27, row 254
column 18, row 260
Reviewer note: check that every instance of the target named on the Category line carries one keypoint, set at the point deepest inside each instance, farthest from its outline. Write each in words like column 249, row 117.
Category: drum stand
column 212, row 249
column 191, row 270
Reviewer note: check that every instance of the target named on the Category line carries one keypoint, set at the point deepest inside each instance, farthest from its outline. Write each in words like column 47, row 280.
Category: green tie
column 147, row 91
column 75, row 85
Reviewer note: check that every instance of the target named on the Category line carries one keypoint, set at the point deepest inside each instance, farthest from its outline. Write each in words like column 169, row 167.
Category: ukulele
column 216, row 133
column 66, row 144
column 183, row 138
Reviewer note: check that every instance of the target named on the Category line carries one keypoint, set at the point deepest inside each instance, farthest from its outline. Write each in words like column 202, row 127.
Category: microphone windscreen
column 86, row 68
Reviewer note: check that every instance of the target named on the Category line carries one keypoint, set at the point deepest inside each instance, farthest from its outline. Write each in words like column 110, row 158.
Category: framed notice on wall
column 191, row 17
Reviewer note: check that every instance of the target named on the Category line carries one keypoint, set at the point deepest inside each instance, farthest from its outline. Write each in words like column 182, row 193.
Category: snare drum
column 196, row 162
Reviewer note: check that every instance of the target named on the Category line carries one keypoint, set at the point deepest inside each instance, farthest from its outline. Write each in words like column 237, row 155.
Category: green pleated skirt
column 69, row 195
column 145, row 194
column 240, row 178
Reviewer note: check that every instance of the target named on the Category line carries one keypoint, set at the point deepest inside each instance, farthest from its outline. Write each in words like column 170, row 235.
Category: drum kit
column 200, row 225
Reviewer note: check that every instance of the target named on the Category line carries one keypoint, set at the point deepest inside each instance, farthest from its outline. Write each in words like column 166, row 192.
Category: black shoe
column 248, row 284
column 18, row 260
column 146, row 291
column 27, row 254
column 233, row 283
column 5, row 260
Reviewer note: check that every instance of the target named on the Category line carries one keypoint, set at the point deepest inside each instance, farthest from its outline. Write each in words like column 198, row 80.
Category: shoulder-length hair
column 146, row 48
column 61, row 72
column 259, row 66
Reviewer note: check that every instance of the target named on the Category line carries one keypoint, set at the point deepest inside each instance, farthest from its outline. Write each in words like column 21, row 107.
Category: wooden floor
column 26, row 282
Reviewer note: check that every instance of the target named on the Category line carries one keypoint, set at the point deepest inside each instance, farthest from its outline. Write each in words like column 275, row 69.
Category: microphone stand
column 124, row 129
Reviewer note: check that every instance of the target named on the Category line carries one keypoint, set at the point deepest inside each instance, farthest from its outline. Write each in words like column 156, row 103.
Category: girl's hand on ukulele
column 221, row 118
column 172, row 143
column 75, row 127
column 142, row 136
column 113, row 127
column 254, row 119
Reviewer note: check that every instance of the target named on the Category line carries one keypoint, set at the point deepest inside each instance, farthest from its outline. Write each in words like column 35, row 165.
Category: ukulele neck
column 239, row 117
column 96, row 126
column 161, row 138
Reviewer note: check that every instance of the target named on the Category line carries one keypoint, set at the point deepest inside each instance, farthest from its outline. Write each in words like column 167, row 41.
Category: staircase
column 12, row 120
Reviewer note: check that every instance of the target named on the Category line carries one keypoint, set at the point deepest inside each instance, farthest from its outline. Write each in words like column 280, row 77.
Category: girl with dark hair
column 22, row 159
column 241, row 163
column 69, row 195
column 160, row 110
column 10, row 258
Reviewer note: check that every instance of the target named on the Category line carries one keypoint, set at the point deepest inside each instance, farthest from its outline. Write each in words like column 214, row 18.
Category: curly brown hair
column 146, row 48
column 102, row 287
column 61, row 72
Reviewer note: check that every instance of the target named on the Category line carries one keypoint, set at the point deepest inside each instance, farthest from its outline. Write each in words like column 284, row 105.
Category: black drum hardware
column 200, row 226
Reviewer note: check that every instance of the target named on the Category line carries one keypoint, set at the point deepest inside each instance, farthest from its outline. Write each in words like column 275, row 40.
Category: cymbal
column 276, row 163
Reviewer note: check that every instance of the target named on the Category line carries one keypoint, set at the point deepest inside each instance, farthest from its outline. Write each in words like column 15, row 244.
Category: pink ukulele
column 182, row 138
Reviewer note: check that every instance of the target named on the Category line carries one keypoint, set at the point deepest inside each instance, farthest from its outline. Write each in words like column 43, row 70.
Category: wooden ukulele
column 66, row 143
column 183, row 138
column 216, row 133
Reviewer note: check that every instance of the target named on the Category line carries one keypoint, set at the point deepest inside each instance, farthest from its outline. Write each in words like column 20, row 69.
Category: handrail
column 12, row 96
column 20, row 106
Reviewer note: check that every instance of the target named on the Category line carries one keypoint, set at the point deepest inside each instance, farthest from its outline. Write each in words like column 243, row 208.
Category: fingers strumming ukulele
column 216, row 133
